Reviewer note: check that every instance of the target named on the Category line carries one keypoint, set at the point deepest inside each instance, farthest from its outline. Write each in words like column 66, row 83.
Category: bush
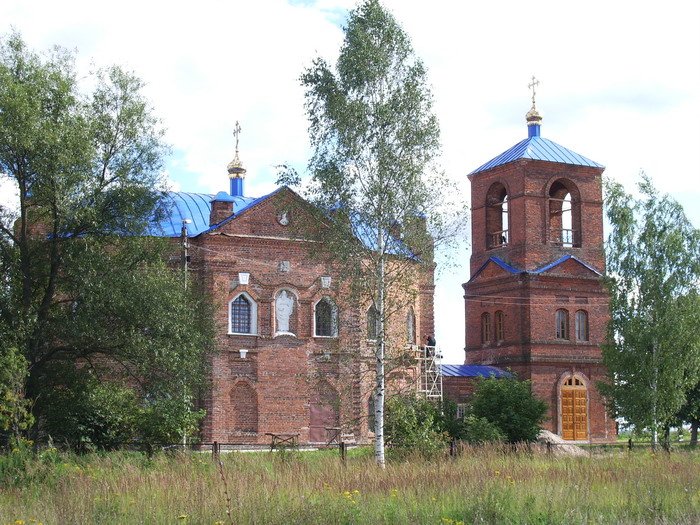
column 86, row 414
column 14, row 408
column 509, row 405
column 413, row 425
column 479, row 430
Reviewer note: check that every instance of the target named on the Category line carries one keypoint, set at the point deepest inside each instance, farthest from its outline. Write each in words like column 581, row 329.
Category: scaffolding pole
column 430, row 372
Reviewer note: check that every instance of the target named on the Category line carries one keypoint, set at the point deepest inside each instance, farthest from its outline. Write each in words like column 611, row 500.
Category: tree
column 81, row 284
column 375, row 141
column 690, row 413
column 510, row 405
column 653, row 272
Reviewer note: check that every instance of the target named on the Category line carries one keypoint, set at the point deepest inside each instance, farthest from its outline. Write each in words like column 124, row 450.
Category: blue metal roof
column 513, row 270
column 538, row 148
column 368, row 235
column 564, row 259
column 196, row 207
column 473, row 371
column 193, row 206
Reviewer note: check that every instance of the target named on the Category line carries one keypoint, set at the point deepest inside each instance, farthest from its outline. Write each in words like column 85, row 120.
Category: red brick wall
column 530, row 301
column 282, row 374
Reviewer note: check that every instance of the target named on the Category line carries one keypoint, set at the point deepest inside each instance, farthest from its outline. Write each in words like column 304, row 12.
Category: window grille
column 240, row 315
column 326, row 318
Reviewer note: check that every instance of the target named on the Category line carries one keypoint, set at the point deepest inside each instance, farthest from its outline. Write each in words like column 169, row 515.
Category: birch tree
column 653, row 272
column 375, row 145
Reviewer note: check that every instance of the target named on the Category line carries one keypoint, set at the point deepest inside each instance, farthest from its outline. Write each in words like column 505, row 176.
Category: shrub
column 413, row 425
column 479, row 430
column 510, row 405
column 87, row 414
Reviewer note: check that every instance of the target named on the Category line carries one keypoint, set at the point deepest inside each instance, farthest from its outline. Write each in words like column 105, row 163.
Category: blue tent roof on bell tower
column 535, row 147
column 538, row 148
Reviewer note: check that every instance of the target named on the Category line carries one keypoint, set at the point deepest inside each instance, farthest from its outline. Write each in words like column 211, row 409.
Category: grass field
column 481, row 486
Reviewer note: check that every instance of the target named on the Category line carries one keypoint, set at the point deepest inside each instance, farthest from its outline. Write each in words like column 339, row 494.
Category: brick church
column 294, row 353
column 535, row 302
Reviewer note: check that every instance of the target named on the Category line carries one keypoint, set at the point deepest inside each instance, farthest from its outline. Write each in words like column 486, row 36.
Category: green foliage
column 86, row 414
column 14, row 408
column 653, row 272
column 167, row 420
column 690, row 413
column 479, row 430
column 375, row 142
column 81, row 289
column 510, row 406
column 413, row 425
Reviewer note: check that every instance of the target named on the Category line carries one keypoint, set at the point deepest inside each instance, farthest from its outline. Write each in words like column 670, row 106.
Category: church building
column 535, row 301
column 294, row 352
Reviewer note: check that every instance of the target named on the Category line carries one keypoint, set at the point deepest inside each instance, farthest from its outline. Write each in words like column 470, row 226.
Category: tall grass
column 481, row 486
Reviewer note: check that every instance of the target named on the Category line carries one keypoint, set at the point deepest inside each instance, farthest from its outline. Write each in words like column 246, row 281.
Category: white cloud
column 619, row 83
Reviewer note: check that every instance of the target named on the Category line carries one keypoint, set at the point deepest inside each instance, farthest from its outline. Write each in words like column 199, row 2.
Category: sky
column 619, row 84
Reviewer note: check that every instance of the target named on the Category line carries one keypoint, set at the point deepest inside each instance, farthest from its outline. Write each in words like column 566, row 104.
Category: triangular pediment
column 272, row 216
column 494, row 267
column 568, row 265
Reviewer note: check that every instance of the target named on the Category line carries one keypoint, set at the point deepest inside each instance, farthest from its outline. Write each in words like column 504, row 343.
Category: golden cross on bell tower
column 237, row 133
column 532, row 85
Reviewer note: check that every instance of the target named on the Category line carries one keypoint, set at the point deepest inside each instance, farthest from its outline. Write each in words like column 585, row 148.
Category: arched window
column 564, row 214
column 582, row 325
column 562, row 324
column 499, row 320
column 285, row 312
column 326, row 318
column 497, row 216
column 411, row 326
column 243, row 315
column 485, row 328
column 373, row 323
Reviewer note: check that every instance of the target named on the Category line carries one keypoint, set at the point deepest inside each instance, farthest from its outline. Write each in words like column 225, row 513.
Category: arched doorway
column 574, row 409
column 323, row 412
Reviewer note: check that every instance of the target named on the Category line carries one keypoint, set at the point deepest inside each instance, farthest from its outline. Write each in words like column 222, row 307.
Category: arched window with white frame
column 325, row 318
column 243, row 315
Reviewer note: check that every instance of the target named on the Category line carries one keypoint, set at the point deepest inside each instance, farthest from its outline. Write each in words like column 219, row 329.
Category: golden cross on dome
column 237, row 133
column 532, row 86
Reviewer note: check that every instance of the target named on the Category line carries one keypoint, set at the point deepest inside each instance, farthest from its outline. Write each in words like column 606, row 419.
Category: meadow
column 487, row 485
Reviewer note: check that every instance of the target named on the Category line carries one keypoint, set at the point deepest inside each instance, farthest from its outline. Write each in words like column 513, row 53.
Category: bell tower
column 535, row 301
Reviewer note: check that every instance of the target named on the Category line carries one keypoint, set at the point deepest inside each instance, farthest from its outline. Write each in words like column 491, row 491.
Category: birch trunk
column 380, row 387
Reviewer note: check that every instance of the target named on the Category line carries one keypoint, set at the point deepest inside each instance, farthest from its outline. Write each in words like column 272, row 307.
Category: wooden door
column 574, row 410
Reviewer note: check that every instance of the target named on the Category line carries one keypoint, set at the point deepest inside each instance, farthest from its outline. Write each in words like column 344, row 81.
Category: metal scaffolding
column 431, row 376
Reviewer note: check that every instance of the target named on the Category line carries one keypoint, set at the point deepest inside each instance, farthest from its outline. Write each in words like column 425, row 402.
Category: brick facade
column 545, row 254
column 293, row 382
